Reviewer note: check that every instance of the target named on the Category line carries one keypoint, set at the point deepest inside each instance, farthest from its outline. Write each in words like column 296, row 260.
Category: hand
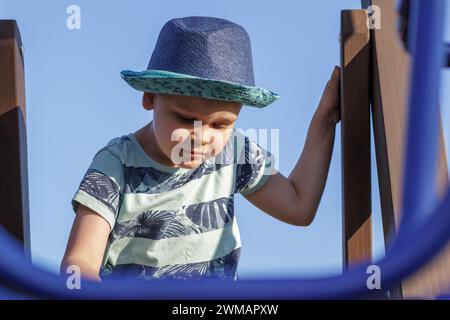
column 329, row 108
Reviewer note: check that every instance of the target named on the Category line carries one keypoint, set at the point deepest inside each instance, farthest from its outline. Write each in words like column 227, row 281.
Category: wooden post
column 390, row 70
column 14, row 216
column 355, row 137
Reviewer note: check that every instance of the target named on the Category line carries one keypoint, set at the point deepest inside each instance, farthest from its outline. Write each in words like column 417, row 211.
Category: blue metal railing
column 425, row 45
column 420, row 237
column 447, row 49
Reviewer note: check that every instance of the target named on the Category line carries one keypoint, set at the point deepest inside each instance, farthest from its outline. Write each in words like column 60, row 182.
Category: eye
column 221, row 126
column 185, row 119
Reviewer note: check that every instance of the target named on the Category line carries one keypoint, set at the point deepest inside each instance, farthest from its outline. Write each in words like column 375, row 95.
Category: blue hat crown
column 205, row 47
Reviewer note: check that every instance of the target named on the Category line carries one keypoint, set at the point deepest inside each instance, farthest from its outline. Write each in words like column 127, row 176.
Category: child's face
column 175, row 112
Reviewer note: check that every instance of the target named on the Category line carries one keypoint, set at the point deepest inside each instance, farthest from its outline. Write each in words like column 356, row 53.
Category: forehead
column 201, row 107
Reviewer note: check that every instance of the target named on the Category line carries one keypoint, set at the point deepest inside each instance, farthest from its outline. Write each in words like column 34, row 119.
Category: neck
column 151, row 146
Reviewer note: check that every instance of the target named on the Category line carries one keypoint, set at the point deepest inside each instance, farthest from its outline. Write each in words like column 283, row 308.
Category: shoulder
column 253, row 151
column 239, row 141
column 246, row 145
column 117, row 147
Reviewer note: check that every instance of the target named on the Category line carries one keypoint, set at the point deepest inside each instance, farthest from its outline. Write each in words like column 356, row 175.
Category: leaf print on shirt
column 162, row 224
column 249, row 168
column 158, row 224
column 220, row 268
column 224, row 268
column 101, row 187
column 194, row 271
column 151, row 181
column 213, row 214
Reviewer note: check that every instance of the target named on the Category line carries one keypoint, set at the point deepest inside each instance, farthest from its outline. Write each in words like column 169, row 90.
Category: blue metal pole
column 447, row 50
column 401, row 262
column 419, row 183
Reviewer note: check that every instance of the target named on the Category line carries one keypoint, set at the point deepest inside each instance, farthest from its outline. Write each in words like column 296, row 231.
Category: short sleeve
column 254, row 167
column 101, row 186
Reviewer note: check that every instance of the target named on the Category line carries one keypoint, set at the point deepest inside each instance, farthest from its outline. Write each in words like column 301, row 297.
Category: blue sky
column 76, row 102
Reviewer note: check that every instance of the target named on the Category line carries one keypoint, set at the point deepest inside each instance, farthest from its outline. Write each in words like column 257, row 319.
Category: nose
column 201, row 136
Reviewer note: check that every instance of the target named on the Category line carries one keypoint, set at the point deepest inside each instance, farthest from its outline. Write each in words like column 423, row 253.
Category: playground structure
column 13, row 169
column 377, row 66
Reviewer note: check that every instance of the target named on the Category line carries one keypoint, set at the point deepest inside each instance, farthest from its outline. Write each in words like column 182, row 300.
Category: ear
column 148, row 100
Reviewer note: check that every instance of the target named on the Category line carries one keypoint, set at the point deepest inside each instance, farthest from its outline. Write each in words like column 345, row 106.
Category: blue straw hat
column 204, row 57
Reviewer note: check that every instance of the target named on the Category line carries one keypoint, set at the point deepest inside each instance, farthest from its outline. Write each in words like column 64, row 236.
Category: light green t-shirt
column 170, row 222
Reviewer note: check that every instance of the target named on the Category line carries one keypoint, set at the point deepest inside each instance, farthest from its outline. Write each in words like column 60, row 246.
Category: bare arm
column 87, row 243
column 295, row 199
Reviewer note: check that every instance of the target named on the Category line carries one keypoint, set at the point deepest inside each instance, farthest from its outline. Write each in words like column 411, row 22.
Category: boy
column 144, row 211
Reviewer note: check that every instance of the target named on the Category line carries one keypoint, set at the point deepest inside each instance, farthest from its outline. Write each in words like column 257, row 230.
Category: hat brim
column 161, row 81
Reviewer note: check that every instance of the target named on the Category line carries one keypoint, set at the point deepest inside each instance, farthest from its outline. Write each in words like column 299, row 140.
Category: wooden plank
column 12, row 80
column 390, row 70
column 14, row 211
column 355, row 137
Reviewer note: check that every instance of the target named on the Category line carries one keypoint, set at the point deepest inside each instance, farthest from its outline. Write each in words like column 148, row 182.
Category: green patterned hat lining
column 160, row 81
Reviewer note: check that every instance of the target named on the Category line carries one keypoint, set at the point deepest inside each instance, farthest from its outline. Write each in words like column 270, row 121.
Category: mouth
column 197, row 154
column 194, row 153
